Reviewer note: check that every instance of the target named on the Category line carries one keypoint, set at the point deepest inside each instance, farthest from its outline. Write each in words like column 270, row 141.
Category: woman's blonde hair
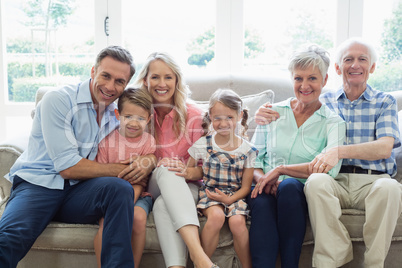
column 181, row 91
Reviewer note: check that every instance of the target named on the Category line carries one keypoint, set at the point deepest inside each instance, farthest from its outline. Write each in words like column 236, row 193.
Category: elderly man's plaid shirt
column 372, row 116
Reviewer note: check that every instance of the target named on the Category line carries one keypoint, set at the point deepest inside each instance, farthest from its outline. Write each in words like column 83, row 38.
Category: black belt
column 354, row 169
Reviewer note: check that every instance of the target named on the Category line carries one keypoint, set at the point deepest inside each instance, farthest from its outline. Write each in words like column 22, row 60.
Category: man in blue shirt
column 56, row 177
column 364, row 181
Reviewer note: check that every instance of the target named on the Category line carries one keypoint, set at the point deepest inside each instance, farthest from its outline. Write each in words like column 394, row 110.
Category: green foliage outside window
column 388, row 74
column 202, row 48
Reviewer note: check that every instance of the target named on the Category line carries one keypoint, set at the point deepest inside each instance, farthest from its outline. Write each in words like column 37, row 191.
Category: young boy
column 129, row 140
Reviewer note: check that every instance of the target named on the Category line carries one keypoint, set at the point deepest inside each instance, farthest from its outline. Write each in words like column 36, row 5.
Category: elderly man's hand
column 265, row 115
column 324, row 162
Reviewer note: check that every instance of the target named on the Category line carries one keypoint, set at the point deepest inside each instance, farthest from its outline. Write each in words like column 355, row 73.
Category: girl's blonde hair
column 230, row 99
column 181, row 91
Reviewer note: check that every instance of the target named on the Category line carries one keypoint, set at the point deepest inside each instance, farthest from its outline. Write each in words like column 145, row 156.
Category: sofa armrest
column 10, row 150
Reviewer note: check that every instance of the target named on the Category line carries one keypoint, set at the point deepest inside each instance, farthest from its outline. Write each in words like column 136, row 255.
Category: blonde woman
column 177, row 125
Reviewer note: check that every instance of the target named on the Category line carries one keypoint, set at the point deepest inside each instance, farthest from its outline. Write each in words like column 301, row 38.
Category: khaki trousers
column 381, row 198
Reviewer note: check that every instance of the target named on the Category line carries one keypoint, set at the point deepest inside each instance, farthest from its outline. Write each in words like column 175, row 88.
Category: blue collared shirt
column 64, row 131
column 372, row 116
column 282, row 142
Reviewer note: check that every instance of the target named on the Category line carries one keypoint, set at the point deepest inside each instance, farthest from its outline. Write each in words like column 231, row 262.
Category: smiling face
column 133, row 120
column 355, row 67
column 161, row 82
column 308, row 84
column 108, row 81
column 224, row 120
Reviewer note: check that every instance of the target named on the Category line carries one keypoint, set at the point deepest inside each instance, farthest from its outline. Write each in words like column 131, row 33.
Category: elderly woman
column 305, row 129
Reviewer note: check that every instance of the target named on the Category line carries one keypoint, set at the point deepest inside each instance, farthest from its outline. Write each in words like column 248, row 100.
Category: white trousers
column 174, row 207
column 380, row 197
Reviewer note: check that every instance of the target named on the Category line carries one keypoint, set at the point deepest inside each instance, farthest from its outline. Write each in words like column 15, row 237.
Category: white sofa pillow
column 252, row 103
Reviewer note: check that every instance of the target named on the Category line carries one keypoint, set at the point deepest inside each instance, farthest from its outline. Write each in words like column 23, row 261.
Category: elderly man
column 364, row 181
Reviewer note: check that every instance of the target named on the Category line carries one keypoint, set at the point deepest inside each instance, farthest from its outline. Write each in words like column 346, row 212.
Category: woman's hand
column 219, row 196
column 138, row 168
column 324, row 162
column 265, row 115
column 173, row 164
column 267, row 183
column 191, row 173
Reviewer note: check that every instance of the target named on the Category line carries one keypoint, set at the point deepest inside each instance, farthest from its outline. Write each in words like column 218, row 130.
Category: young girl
column 228, row 166
column 130, row 140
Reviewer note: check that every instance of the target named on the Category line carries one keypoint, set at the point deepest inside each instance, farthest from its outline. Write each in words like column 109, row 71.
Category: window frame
column 229, row 40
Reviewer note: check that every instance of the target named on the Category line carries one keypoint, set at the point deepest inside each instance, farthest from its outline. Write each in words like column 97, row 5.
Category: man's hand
column 138, row 168
column 324, row 162
column 265, row 115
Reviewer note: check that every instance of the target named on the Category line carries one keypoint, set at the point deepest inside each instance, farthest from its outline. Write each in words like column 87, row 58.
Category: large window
column 47, row 43
column 184, row 29
column 274, row 29
column 51, row 42
column 382, row 26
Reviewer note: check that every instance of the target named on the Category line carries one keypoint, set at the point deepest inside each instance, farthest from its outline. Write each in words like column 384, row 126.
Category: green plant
column 387, row 77
column 25, row 88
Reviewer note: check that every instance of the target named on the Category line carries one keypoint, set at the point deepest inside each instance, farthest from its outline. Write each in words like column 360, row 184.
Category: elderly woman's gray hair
column 345, row 45
column 311, row 56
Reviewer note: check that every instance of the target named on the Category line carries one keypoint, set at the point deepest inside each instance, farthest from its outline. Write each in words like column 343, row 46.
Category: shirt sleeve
column 250, row 161
column 58, row 133
column 336, row 135
column 151, row 145
column 198, row 149
column 387, row 122
column 195, row 130
column 259, row 140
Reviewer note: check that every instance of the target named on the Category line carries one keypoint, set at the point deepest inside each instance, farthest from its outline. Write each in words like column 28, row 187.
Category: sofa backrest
column 203, row 86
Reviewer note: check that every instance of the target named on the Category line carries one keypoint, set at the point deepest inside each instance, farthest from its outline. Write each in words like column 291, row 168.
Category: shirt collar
column 368, row 94
column 84, row 95
column 84, row 92
column 171, row 114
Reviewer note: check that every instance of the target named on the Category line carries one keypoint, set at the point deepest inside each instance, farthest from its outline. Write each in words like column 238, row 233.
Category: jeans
column 278, row 225
column 32, row 207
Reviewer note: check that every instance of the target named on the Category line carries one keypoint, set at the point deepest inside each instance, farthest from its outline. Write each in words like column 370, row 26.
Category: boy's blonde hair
column 137, row 96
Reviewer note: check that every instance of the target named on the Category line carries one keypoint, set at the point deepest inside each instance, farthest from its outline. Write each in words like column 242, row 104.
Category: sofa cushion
column 252, row 103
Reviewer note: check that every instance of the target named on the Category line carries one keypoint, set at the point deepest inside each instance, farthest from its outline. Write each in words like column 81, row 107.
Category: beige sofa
column 71, row 245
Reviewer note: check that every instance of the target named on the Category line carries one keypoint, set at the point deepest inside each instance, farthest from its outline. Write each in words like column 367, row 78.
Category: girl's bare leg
column 210, row 234
column 237, row 225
